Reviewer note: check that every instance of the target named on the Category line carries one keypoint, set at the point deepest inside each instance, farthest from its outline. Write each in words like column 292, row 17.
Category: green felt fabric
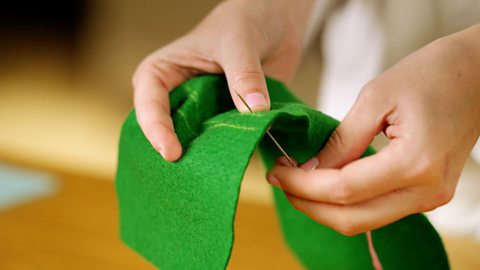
column 181, row 215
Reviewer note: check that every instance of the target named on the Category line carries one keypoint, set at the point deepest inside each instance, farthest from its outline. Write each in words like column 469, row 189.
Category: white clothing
column 363, row 37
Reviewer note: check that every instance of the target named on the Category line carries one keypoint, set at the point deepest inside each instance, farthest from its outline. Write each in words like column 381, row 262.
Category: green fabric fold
column 181, row 215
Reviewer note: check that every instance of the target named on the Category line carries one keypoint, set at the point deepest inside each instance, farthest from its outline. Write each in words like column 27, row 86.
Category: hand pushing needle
column 284, row 153
column 376, row 262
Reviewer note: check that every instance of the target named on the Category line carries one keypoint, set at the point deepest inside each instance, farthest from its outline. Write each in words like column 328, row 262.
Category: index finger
column 152, row 106
column 358, row 181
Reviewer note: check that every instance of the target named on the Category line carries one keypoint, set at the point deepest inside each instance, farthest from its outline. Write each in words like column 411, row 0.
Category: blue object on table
column 20, row 186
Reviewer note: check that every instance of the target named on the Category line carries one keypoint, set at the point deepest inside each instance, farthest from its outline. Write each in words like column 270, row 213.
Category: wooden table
column 78, row 229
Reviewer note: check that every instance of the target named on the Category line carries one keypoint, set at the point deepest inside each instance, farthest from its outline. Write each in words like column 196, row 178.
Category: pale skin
column 427, row 105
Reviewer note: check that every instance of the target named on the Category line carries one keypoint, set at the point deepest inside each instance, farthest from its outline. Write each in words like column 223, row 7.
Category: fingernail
column 256, row 101
column 161, row 150
column 283, row 161
column 273, row 181
column 310, row 164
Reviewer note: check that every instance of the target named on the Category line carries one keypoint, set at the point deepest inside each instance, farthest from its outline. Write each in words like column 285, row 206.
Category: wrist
column 468, row 44
column 459, row 54
column 465, row 45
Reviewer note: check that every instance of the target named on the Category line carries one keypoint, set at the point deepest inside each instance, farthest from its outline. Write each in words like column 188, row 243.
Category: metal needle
column 280, row 148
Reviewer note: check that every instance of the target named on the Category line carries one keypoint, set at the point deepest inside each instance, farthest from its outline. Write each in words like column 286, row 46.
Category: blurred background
column 65, row 89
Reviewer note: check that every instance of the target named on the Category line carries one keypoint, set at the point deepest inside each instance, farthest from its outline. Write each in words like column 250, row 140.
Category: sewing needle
column 280, row 148
column 373, row 253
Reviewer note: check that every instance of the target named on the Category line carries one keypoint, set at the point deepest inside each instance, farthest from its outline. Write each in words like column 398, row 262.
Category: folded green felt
column 181, row 215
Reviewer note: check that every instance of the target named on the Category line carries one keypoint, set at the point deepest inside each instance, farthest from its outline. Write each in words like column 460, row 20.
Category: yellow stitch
column 188, row 89
column 257, row 114
column 210, row 121
column 285, row 103
column 194, row 96
column 231, row 126
column 187, row 124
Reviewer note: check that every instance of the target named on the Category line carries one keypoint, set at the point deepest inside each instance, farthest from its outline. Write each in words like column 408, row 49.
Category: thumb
column 351, row 138
column 244, row 74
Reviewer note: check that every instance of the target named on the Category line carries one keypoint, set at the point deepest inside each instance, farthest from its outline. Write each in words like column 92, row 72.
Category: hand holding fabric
column 427, row 105
column 244, row 39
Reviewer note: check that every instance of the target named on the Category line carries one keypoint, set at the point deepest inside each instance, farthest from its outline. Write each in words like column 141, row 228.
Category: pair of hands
column 428, row 105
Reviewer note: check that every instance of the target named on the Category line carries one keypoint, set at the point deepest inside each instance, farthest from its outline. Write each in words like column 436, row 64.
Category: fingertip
column 164, row 141
column 257, row 101
column 171, row 153
column 251, row 102
column 273, row 180
column 247, row 82
column 171, row 150
column 310, row 164
column 283, row 161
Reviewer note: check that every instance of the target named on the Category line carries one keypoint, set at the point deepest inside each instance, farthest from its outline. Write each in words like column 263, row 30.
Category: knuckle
column 444, row 196
column 295, row 205
column 145, row 68
column 368, row 92
column 342, row 193
column 337, row 141
column 432, row 160
column 347, row 226
column 424, row 207
column 423, row 169
column 158, row 68
column 248, row 74
column 147, row 108
column 347, row 231
column 161, row 125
